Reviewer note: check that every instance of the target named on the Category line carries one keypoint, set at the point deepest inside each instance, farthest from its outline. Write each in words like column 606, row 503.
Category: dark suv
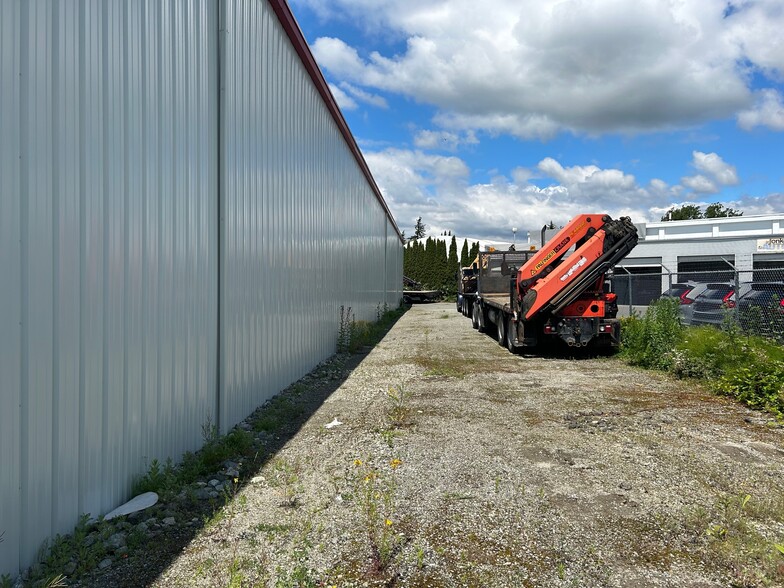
column 712, row 305
column 761, row 309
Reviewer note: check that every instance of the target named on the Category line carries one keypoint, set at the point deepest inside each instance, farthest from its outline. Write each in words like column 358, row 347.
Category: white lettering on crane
column 574, row 268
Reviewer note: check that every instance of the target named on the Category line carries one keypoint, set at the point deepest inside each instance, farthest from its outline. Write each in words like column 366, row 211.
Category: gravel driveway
column 456, row 463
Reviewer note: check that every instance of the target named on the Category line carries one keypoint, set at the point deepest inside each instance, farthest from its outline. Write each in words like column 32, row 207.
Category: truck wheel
column 481, row 319
column 510, row 336
column 475, row 318
column 501, row 330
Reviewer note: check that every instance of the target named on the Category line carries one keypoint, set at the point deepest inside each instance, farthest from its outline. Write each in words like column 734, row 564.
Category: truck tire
column 510, row 336
column 475, row 317
column 501, row 334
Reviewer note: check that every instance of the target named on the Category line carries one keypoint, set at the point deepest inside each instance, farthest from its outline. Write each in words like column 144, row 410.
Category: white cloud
column 533, row 68
column 344, row 100
column 713, row 165
column 366, row 97
column 700, row 184
column 768, row 111
column 756, row 28
column 715, row 174
column 437, row 189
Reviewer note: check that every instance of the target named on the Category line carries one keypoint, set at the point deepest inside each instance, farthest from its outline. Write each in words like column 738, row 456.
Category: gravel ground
column 457, row 463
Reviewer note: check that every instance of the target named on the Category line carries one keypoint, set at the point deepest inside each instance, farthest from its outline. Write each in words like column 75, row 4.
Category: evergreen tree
column 474, row 251
column 419, row 229
column 464, row 260
column 442, row 267
column 453, row 267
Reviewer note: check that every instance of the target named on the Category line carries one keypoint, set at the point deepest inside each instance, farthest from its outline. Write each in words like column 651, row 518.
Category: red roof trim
column 297, row 39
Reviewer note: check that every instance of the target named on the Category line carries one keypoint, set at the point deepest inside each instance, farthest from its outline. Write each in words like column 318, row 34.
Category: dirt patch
column 510, row 471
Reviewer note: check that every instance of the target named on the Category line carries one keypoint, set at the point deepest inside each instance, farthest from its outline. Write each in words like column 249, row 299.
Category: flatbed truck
column 527, row 297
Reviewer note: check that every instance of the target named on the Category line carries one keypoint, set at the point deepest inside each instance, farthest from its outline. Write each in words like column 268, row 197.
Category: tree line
column 692, row 211
column 429, row 262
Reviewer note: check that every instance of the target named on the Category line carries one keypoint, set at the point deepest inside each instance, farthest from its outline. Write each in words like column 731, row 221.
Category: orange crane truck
column 523, row 297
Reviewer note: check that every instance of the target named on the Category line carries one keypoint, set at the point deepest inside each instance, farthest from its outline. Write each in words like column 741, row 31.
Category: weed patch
column 373, row 491
column 730, row 533
column 354, row 335
column 650, row 340
column 748, row 369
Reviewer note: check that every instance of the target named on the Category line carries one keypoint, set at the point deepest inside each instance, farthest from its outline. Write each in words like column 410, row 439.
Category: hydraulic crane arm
column 598, row 250
column 551, row 254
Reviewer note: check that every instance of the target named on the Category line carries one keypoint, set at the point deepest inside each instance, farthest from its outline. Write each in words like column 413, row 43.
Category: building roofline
column 721, row 220
column 294, row 33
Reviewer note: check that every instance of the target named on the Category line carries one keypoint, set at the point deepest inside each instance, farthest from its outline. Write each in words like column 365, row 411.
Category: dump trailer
column 527, row 297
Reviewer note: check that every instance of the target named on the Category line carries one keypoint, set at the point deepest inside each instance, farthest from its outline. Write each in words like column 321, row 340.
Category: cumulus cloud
column 533, row 68
column 437, row 189
column 768, row 111
column 715, row 174
column 700, row 184
column 710, row 163
column 344, row 100
column 366, row 97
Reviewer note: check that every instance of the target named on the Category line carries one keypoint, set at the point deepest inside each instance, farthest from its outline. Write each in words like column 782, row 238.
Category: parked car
column 678, row 290
column 712, row 303
column 761, row 309
column 687, row 301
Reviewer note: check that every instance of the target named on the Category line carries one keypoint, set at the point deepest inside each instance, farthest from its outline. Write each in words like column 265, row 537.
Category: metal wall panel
column 304, row 233
column 108, row 252
column 109, row 240
column 10, row 292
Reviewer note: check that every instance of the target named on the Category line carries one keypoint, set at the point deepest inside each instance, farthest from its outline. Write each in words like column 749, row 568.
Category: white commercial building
column 183, row 212
column 701, row 250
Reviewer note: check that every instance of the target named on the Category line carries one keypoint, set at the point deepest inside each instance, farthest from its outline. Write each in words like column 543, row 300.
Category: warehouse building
column 183, row 212
column 747, row 248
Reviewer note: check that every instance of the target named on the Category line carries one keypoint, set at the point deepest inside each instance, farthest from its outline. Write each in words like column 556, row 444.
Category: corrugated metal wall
column 108, row 126
column 111, row 187
column 304, row 231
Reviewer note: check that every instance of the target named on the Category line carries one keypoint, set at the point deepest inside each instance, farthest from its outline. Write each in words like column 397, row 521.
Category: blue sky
column 481, row 116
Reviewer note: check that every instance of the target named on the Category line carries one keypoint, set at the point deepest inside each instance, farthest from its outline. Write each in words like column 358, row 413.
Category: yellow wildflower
column 388, row 523
column 396, row 463
column 357, row 462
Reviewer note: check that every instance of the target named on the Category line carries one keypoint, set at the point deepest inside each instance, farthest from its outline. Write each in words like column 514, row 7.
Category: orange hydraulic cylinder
column 576, row 229
column 571, row 269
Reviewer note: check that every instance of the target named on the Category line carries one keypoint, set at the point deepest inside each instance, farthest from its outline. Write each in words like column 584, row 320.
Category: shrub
column 650, row 341
column 758, row 384
column 748, row 369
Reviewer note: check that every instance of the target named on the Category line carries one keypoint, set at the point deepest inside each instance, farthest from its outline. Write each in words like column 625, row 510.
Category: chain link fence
column 711, row 293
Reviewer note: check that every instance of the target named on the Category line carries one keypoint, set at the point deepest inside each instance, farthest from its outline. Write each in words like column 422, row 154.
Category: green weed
column 649, row 341
column 399, row 409
column 354, row 335
column 285, row 476
column 373, row 490
column 735, row 543
column 747, row 368
column 279, row 412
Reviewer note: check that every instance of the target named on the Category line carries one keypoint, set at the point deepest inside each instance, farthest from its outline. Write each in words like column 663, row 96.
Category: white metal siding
column 10, row 292
column 303, row 232
column 108, row 252
column 109, row 229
